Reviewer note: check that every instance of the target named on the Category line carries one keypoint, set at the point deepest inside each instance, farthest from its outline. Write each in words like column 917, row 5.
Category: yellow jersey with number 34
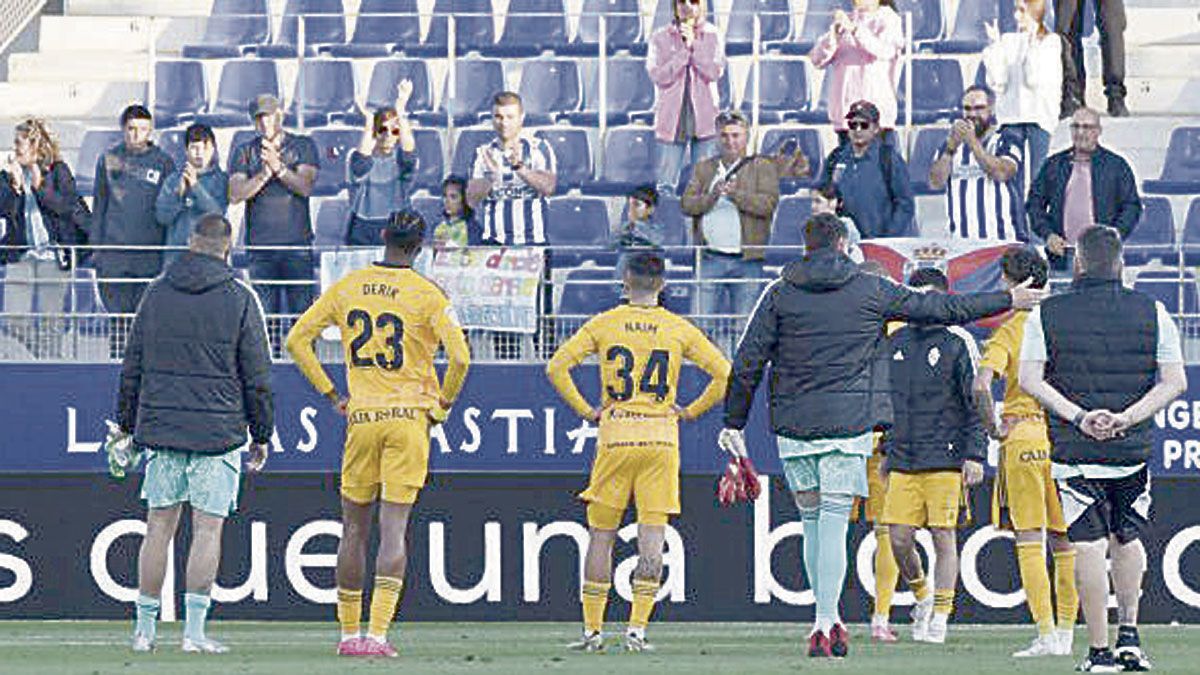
column 392, row 320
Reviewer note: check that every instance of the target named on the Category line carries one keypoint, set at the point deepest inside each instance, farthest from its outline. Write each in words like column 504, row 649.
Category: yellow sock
column 920, row 587
column 595, row 598
column 1031, row 559
column 384, row 598
column 644, row 592
column 943, row 601
column 349, row 611
column 886, row 573
column 1065, row 590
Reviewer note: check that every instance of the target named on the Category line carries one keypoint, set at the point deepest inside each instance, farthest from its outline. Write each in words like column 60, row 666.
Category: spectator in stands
column 381, row 171
column 274, row 174
column 458, row 227
column 197, row 189
column 1082, row 186
column 128, row 179
column 1110, row 21
column 1025, row 70
column 732, row 199
column 980, row 169
column 871, row 178
column 511, row 177
column 827, row 200
column 864, row 48
column 640, row 230
column 686, row 59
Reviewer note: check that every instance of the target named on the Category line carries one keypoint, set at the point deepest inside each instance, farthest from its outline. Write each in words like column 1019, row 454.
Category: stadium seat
column 787, row 230
column 629, row 90
column 623, row 28
column 572, row 155
column 1154, row 235
column 924, row 152
column 817, row 18
column 179, row 92
column 1181, row 167
column 382, row 27
column 664, row 14
column 549, row 88
column 1176, row 290
column 172, row 142
column 241, row 82
column 323, row 25
column 476, row 82
column 927, row 18
column 809, row 141
column 969, row 35
column 937, row 88
column 381, row 93
column 430, row 209
column 324, row 93
column 679, row 293
column 473, row 27
column 818, row 112
column 1190, row 241
column 580, row 224
column 94, row 143
column 430, row 159
column 784, row 90
column 775, row 16
column 333, row 150
column 465, row 143
column 628, row 161
column 530, row 28
column 332, row 219
column 588, row 292
column 232, row 25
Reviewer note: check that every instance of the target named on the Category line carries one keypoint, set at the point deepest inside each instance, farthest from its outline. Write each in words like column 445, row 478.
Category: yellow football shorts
column 637, row 456
column 387, row 455
column 1025, row 497
column 923, row 499
column 876, row 490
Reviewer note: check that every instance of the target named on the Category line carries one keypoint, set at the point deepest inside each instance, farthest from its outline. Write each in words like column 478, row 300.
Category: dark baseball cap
column 264, row 104
column 864, row 110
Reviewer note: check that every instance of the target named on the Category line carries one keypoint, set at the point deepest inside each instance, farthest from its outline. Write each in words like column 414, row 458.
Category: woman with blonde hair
column 1025, row 71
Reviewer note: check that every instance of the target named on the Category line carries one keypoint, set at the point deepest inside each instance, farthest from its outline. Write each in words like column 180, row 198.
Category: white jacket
column 1025, row 71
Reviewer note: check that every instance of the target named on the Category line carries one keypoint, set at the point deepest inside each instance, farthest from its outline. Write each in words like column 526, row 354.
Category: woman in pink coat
column 686, row 59
column 864, row 48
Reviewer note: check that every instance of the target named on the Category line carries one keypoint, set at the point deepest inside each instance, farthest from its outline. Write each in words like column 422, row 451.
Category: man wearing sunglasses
column 980, row 170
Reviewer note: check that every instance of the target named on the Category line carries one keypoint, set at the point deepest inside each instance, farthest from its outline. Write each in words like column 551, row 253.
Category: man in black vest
column 1103, row 359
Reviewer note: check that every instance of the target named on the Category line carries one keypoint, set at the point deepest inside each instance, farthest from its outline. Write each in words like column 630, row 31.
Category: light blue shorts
column 207, row 482
column 831, row 472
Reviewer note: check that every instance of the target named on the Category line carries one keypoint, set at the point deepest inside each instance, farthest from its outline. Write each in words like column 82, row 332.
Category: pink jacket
column 667, row 61
column 866, row 65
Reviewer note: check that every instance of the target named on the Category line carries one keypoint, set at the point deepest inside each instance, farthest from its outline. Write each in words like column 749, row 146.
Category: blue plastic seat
column 927, row 18
column 577, row 230
column 473, row 27
column 628, row 161
column 464, row 148
column 937, row 89
column 332, row 218
column 325, row 93
column 629, row 90
column 775, row 16
column 664, row 14
column 679, row 293
column 232, row 25
column 817, row 19
column 530, row 28
column 969, row 35
column 549, row 88
column 809, row 141
column 241, row 82
column 787, row 230
column 95, row 142
column 477, row 81
column 382, row 27
column 1190, row 240
column 172, row 142
column 1154, row 235
column 588, row 292
column 1181, row 167
column 572, row 155
column 381, row 92
column 818, row 112
column 623, row 28
column 333, row 151
column 783, row 93
column 1175, row 290
column 323, row 25
column 179, row 92
column 925, row 152
column 430, row 159
column 430, row 209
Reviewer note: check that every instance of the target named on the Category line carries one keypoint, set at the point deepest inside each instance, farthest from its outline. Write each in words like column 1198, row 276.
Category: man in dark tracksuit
column 195, row 382
column 820, row 328
column 1102, row 360
column 935, row 446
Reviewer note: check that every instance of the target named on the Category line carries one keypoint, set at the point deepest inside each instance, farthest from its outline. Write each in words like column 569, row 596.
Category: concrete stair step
column 83, row 66
column 117, row 34
column 70, row 100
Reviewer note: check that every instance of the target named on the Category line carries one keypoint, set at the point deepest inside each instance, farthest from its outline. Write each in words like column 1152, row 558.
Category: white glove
column 732, row 441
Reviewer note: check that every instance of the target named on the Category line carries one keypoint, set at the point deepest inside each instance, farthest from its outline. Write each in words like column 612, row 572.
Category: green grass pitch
column 530, row 648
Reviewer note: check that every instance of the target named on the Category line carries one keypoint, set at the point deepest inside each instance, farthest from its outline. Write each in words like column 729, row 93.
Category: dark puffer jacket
column 821, row 328
column 197, row 368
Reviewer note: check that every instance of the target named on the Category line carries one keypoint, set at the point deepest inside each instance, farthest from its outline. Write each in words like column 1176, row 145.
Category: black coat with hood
column 196, row 375
column 820, row 326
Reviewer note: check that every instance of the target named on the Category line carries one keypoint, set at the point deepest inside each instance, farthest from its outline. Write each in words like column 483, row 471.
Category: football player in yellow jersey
column 1025, row 498
column 391, row 320
column 641, row 347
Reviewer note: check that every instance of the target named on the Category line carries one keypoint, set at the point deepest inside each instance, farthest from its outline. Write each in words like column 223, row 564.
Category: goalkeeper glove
column 123, row 457
column 732, row 441
column 740, row 482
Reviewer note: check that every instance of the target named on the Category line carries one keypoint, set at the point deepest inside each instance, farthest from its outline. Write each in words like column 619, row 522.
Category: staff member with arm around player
column 195, row 379
column 820, row 327
column 641, row 347
column 391, row 320
column 1103, row 359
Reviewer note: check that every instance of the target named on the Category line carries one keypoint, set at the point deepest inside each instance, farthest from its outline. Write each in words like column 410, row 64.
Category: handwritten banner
column 493, row 288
